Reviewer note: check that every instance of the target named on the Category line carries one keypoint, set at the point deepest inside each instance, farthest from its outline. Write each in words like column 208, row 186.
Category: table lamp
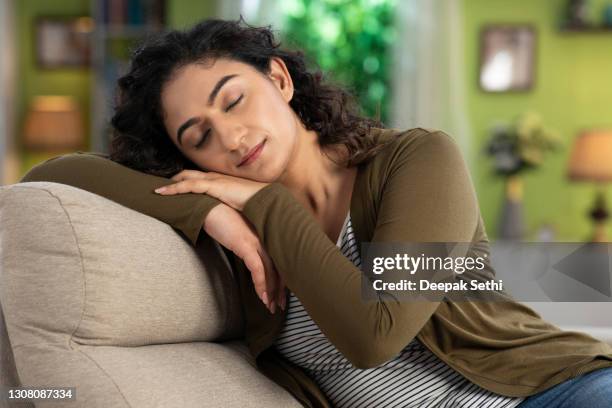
column 53, row 123
column 591, row 160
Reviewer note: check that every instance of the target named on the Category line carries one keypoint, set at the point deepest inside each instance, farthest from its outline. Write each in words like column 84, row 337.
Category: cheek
column 206, row 162
column 272, row 106
column 283, row 152
column 285, row 133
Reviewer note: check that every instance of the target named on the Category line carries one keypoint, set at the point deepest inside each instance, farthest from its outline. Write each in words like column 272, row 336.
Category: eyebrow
column 211, row 99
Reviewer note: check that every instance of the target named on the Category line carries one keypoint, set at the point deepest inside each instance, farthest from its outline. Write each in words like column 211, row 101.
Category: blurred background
column 523, row 86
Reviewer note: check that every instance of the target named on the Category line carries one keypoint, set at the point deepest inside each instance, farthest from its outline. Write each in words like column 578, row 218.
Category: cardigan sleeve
column 427, row 196
column 96, row 173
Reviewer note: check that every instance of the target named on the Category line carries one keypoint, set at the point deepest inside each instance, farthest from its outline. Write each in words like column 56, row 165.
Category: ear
column 280, row 77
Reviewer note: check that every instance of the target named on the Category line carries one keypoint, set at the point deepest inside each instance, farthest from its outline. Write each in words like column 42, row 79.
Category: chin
column 269, row 171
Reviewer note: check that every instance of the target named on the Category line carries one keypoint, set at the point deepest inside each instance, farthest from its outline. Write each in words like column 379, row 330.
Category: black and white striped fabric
column 415, row 378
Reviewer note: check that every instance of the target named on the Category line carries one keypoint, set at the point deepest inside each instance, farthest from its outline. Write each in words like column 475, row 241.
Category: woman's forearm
column 97, row 174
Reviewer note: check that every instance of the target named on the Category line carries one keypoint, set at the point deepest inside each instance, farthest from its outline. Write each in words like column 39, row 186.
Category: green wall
column 573, row 91
column 184, row 13
column 33, row 81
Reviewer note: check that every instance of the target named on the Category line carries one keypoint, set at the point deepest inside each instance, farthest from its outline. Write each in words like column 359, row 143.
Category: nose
column 232, row 135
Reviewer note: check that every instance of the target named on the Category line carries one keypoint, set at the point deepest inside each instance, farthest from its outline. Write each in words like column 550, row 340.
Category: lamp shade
column 591, row 157
column 53, row 123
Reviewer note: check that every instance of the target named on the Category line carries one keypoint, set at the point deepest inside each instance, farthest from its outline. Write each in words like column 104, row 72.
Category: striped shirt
column 414, row 378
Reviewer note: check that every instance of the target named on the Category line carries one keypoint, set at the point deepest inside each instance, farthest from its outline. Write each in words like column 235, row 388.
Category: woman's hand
column 229, row 228
column 234, row 191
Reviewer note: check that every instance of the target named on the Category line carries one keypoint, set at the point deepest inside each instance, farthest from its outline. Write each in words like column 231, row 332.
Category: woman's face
column 217, row 114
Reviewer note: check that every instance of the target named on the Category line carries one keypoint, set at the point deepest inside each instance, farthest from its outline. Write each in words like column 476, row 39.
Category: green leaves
column 351, row 39
column 521, row 145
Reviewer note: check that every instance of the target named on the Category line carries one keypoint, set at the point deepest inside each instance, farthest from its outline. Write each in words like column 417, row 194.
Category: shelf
column 118, row 26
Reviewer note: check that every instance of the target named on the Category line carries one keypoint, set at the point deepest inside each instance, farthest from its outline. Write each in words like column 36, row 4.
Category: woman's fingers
column 279, row 295
column 189, row 185
column 232, row 230
column 271, row 279
column 188, row 174
column 233, row 191
column 282, row 298
column 255, row 265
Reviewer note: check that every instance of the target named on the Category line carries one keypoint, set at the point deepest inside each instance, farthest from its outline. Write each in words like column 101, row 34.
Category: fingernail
column 264, row 297
column 160, row 190
column 273, row 307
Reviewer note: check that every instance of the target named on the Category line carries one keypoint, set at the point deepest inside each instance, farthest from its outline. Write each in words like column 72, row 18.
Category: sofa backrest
column 77, row 267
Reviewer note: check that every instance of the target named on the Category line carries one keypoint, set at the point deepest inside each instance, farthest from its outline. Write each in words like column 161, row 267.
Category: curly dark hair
column 140, row 140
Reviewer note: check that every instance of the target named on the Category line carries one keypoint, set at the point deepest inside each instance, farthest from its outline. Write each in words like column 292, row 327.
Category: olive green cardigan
column 416, row 189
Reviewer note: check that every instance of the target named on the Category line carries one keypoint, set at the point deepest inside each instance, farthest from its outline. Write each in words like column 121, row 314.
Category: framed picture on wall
column 507, row 58
column 62, row 42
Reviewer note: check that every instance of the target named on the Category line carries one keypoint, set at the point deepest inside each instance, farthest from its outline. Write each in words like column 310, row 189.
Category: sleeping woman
column 275, row 164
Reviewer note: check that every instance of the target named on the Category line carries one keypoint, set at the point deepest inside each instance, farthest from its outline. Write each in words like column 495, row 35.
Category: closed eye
column 234, row 103
column 205, row 135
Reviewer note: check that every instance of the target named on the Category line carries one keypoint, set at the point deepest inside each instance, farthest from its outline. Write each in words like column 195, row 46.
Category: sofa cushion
column 8, row 372
column 77, row 267
column 186, row 375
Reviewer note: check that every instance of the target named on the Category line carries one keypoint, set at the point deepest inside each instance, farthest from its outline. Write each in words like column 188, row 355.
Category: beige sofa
column 100, row 297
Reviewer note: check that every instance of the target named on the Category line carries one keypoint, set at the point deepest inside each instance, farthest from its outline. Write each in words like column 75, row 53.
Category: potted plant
column 516, row 149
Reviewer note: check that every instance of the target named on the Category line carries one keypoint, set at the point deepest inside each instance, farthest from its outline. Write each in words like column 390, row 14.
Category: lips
column 254, row 151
